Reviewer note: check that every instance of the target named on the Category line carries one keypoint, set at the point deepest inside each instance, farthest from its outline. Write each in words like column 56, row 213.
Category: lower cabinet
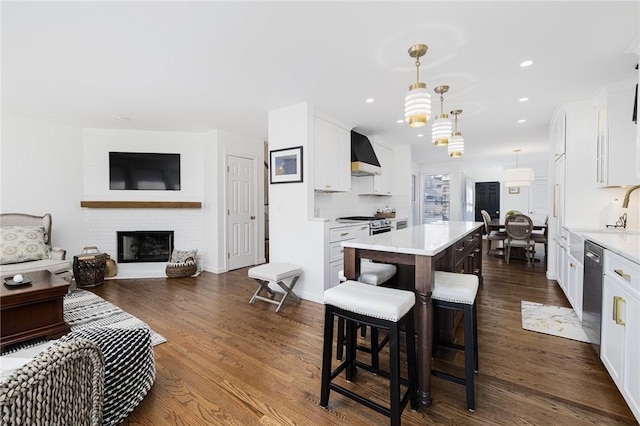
column 336, row 252
column 620, row 341
column 573, row 288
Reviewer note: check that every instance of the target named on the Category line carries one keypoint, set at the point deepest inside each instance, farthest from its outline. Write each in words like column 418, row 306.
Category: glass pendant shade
column 456, row 145
column 417, row 105
column 441, row 130
column 517, row 177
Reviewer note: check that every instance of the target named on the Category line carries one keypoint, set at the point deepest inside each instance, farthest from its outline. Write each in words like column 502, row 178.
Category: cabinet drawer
column 623, row 271
column 336, row 252
column 341, row 234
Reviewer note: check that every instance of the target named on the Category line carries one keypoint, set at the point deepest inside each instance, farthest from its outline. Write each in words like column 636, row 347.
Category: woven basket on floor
column 181, row 270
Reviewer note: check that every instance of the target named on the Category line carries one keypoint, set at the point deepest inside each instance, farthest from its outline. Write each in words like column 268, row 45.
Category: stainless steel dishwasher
column 592, row 293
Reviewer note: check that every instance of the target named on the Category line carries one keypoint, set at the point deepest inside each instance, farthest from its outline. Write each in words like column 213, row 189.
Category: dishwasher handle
column 594, row 257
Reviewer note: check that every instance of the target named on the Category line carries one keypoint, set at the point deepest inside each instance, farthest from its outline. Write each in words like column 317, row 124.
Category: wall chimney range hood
column 363, row 159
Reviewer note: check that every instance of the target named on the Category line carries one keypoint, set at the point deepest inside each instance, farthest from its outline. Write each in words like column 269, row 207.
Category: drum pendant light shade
column 417, row 103
column 518, row 176
column 442, row 127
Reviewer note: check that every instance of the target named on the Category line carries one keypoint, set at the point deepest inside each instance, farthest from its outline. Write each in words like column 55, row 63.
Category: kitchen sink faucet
column 625, row 203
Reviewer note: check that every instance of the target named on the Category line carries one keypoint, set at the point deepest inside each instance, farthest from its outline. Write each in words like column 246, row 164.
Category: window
column 435, row 198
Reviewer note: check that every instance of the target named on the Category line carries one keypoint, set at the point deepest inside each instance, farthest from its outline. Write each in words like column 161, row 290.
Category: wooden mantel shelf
column 141, row 204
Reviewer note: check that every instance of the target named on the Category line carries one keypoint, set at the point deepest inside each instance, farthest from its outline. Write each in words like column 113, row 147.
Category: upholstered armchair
column 17, row 226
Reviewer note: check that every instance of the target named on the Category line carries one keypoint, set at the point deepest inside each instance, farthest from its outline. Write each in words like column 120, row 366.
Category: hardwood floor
column 230, row 363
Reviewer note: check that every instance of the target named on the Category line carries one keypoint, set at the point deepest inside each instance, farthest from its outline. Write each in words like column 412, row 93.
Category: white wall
column 101, row 225
column 294, row 237
column 41, row 172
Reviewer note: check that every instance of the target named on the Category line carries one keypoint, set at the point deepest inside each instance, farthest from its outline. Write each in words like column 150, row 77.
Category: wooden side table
column 33, row 310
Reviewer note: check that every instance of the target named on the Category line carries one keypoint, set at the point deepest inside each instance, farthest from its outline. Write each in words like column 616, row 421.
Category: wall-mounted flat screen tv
column 144, row 171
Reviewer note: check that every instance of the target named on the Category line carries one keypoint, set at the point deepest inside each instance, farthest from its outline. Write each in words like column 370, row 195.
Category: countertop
column 624, row 243
column 429, row 239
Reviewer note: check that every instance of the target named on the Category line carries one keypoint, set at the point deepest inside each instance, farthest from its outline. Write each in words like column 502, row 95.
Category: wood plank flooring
column 230, row 363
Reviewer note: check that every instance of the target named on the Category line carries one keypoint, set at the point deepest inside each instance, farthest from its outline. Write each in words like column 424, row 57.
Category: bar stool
column 372, row 273
column 458, row 292
column 378, row 307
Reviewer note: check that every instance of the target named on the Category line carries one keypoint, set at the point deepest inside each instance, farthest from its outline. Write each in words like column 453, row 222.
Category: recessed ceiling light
column 526, row 63
column 118, row 118
column 370, row 100
column 400, row 121
column 522, row 121
column 420, row 135
column 523, row 99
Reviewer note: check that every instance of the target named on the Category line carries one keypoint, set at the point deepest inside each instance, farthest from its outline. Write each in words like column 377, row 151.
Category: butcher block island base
column 33, row 310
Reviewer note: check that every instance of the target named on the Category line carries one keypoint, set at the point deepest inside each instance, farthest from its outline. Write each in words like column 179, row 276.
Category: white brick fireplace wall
column 101, row 224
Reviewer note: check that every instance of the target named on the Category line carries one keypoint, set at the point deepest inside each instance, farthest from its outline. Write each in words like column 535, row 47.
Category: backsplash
column 330, row 205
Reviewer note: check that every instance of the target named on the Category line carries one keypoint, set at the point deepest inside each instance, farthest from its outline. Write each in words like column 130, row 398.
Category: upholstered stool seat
column 276, row 274
column 373, row 273
column 458, row 292
column 379, row 308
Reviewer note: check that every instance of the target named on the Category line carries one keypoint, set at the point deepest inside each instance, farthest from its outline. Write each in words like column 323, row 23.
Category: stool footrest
column 449, row 377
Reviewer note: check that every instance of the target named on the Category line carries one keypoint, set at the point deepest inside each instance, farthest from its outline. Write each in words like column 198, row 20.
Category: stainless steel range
column 377, row 225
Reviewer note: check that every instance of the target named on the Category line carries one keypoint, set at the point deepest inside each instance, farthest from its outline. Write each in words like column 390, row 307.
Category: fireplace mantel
column 141, row 204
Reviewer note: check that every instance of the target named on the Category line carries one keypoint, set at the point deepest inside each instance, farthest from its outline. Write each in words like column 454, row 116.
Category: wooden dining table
column 424, row 249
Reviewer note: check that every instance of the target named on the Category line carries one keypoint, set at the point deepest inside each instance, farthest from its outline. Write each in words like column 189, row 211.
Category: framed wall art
column 514, row 190
column 286, row 165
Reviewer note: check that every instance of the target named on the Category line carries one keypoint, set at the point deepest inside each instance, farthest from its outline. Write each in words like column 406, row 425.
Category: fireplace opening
column 144, row 246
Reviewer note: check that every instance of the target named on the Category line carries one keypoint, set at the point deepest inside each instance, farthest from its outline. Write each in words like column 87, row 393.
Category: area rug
column 554, row 320
column 83, row 309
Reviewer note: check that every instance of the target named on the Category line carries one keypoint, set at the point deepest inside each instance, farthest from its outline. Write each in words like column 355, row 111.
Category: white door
column 241, row 213
column 539, row 200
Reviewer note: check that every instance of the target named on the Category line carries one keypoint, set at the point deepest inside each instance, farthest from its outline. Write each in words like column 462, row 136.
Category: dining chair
column 491, row 235
column 541, row 237
column 519, row 228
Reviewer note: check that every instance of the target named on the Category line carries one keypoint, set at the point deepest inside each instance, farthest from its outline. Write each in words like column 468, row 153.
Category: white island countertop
column 428, row 240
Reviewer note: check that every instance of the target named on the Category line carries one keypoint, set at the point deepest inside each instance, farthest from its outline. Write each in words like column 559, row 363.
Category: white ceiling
column 197, row 66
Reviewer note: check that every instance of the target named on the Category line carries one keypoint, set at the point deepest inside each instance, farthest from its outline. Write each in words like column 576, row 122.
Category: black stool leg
column 340, row 345
column 351, row 349
column 475, row 335
column 412, row 361
column 394, row 367
column 375, row 350
column 469, row 356
column 326, row 356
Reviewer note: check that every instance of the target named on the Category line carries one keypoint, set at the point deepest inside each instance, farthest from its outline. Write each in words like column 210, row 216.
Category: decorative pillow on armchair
column 22, row 244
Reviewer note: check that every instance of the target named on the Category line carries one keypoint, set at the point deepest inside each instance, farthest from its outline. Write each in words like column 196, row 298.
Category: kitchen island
column 448, row 246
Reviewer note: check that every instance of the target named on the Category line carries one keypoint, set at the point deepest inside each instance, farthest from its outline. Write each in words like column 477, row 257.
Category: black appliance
column 592, row 293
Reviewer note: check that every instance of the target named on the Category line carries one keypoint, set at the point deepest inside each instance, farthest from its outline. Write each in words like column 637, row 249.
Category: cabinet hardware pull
column 460, row 249
column 476, row 271
column 616, row 309
column 364, row 227
column 472, row 255
column 572, row 265
column 344, row 234
column 622, row 274
column 477, row 250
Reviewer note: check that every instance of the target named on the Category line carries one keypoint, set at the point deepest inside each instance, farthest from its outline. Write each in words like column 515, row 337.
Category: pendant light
column 417, row 103
column 456, row 143
column 518, row 176
column 442, row 127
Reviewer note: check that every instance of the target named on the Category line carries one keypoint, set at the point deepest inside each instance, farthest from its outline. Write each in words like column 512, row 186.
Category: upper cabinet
column 379, row 184
column 616, row 134
column 332, row 156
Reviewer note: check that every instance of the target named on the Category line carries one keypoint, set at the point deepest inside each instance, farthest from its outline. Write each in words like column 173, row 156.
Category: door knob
column 252, row 217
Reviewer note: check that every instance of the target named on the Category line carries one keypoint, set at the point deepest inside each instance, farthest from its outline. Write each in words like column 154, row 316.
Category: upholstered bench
column 276, row 274
column 373, row 273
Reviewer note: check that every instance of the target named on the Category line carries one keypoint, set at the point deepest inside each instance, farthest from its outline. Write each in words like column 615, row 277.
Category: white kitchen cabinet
column 620, row 342
column 332, row 156
column 336, row 236
column 575, row 272
column 379, row 184
column 616, row 134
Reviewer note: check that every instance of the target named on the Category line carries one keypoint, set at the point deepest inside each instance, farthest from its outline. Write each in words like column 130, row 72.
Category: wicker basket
column 181, row 270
